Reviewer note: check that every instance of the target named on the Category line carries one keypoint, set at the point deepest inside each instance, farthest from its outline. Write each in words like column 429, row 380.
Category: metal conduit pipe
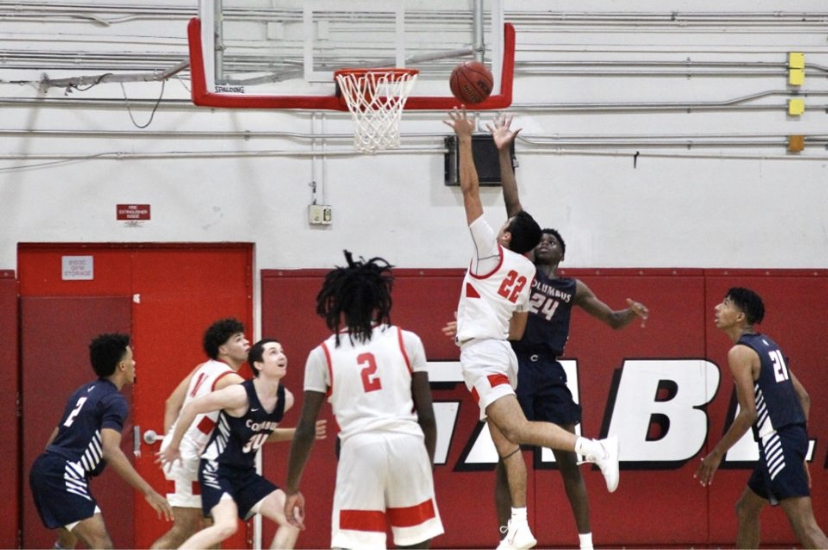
column 589, row 141
column 51, row 160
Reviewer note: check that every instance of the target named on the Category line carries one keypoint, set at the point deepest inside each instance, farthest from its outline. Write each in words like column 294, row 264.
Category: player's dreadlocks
column 358, row 295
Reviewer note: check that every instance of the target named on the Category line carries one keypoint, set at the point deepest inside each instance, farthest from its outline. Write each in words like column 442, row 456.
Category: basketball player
column 775, row 405
column 541, row 390
column 87, row 438
column 493, row 309
column 226, row 346
column 374, row 375
column 249, row 413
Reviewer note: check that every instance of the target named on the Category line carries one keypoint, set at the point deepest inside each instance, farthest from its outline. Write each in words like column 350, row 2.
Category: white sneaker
column 518, row 537
column 608, row 462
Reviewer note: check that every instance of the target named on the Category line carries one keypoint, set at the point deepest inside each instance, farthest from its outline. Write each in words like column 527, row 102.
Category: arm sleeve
column 115, row 411
column 317, row 376
column 487, row 251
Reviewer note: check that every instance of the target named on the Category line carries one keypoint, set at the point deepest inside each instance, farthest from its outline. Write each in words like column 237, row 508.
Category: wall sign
column 77, row 268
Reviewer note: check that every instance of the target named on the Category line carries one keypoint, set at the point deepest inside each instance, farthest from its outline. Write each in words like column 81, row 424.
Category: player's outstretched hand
column 502, row 132
column 459, row 121
column 295, row 510
column 321, row 429
column 160, row 505
column 707, row 468
column 639, row 309
column 167, row 457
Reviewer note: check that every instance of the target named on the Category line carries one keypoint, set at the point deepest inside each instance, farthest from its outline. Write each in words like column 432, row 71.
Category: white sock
column 586, row 541
column 519, row 515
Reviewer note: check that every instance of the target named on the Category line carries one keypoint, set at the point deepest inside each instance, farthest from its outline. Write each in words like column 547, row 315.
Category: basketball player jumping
column 493, row 309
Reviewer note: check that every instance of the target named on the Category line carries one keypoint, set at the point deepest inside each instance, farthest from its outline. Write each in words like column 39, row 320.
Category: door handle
column 151, row 436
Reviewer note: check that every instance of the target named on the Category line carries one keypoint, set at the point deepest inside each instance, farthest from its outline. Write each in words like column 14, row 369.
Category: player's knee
column 226, row 529
column 743, row 511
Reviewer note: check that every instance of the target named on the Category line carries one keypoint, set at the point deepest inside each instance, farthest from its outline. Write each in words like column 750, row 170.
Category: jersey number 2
column 72, row 415
column 370, row 378
column 511, row 286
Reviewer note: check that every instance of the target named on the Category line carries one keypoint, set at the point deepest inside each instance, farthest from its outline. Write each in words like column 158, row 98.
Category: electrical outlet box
column 319, row 214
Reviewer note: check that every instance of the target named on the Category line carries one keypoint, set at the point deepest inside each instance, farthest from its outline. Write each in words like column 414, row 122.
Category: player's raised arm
column 469, row 182
column 504, row 136
column 230, row 398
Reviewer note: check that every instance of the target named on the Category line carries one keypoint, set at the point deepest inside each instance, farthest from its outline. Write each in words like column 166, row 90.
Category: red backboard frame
column 204, row 98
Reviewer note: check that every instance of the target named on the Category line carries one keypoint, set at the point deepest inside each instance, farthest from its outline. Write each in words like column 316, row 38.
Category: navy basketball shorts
column 780, row 472
column 60, row 491
column 542, row 391
column 245, row 486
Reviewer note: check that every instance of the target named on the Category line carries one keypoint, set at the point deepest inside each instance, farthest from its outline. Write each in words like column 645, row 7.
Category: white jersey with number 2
column 497, row 284
column 369, row 384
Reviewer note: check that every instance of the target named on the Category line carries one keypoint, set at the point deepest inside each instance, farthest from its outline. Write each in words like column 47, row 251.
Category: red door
column 173, row 293
column 55, row 359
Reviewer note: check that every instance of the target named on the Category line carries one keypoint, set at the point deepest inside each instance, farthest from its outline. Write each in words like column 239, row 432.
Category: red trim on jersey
column 196, row 488
column 411, row 516
column 330, row 367
column 492, row 272
column 475, row 396
column 206, row 425
column 362, row 520
column 402, row 349
column 219, row 377
column 497, row 379
column 471, row 292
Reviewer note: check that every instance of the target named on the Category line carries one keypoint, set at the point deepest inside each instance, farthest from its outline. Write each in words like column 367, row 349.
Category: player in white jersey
column 374, row 375
column 227, row 347
column 492, row 310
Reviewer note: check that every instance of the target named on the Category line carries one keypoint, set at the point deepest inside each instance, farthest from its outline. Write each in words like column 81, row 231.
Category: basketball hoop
column 376, row 98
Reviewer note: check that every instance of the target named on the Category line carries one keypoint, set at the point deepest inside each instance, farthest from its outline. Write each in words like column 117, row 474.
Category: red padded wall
column 657, row 504
column 9, row 383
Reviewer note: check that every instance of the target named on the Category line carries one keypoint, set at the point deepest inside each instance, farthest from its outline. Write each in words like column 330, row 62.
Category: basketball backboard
column 282, row 54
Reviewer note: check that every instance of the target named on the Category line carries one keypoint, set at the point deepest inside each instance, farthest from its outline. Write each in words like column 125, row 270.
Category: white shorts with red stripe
column 384, row 479
column 183, row 489
column 489, row 371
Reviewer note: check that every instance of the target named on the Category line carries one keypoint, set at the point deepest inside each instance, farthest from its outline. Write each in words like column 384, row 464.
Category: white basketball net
column 376, row 99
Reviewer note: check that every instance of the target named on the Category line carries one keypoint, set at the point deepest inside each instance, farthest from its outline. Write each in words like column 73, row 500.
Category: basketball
column 471, row 82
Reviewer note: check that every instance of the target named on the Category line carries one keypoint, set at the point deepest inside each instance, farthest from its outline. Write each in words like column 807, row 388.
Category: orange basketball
column 471, row 82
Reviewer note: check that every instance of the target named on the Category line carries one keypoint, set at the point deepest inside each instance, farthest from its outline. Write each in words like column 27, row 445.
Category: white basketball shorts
column 489, row 371
column 384, row 479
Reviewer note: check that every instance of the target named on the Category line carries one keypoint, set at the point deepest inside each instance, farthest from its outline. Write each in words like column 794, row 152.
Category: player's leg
column 186, row 504
column 186, row 522
column 65, row 539
column 273, row 508
column 800, row 514
column 92, row 532
column 503, row 501
column 518, row 533
column 748, row 509
column 225, row 523
column 574, row 485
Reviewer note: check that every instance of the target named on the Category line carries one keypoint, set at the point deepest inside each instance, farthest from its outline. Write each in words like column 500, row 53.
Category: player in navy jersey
column 542, row 390
column 87, row 438
column 775, row 405
column 250, row 414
